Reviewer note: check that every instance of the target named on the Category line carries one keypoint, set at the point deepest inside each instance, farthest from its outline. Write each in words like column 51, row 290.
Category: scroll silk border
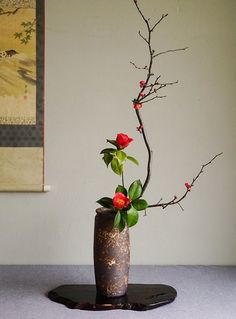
column 22, row 146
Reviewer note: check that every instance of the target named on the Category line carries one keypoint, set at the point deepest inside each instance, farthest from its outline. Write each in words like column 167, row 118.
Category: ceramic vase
column 111, row 255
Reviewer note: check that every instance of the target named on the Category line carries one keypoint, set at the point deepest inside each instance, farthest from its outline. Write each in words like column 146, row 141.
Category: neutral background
column 89, row 87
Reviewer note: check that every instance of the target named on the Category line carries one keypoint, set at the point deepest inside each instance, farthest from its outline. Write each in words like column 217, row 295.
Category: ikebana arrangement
column 121, row 211
column 127, row 202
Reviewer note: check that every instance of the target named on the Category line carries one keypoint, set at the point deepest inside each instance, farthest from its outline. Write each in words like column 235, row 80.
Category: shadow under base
column 139, row 297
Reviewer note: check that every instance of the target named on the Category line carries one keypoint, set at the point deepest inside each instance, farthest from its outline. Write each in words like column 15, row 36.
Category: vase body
column 111, row 255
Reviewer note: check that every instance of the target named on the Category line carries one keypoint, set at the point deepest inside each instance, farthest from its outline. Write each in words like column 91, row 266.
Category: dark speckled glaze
column 111, row 255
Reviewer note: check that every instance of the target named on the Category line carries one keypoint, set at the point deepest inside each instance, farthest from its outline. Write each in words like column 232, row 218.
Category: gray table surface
column 204, row 292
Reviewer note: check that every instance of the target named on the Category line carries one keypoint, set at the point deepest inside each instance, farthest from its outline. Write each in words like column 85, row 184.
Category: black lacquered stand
column 139, row 297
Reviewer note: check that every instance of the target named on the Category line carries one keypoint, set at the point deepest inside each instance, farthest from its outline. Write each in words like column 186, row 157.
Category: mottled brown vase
column 111, row 255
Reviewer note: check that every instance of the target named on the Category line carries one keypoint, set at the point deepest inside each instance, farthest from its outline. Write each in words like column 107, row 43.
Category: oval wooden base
column 139, row 297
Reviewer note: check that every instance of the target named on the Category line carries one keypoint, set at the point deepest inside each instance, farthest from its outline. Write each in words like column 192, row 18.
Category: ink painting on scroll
column 21, row 95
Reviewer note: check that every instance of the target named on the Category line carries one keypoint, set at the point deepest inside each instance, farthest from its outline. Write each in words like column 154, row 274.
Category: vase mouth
column 104, row 210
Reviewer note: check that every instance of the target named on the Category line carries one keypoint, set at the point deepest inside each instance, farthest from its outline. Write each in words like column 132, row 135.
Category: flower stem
column 123, row 180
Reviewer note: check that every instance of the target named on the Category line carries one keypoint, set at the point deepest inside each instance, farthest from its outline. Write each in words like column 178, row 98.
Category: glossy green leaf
column 105, row 202
column 133, row 160
column 140, row 204
column 116, row 166
column 108, row 150
column 124, row 217
column 113, row 142
column 117, row 219
column 119, row 222
column 121, row 189
column 121, row 226
column 135, row 190
column 107, row 158
column 121, row 156
column 132, row 216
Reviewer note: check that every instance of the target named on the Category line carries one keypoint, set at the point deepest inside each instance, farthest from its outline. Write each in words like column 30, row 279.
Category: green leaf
column 121, row 189
column 113, row 142
column 121, row 226
column 105, row 202
column 116, row 166
column 132, row 159
column 132, row 216
column 107, row 158
column 140, row 204
column 124, row 217
column 121, row 156
column 117, row 219
column 135, row 190
column 108, row 151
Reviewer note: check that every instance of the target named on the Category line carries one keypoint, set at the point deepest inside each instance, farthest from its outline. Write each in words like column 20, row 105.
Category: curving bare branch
column 175, row 200
column 148, row 93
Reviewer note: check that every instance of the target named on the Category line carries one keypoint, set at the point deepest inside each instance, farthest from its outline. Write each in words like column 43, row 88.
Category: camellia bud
column 142, row 95
column 139, row 128
column 142, row 83
column 123, row 140
column 188, row 186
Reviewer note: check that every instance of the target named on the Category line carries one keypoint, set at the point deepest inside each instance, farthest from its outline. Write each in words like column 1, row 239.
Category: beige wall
column 89, row 85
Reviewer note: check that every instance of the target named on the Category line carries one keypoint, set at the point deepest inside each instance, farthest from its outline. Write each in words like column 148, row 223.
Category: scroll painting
column 21, row 95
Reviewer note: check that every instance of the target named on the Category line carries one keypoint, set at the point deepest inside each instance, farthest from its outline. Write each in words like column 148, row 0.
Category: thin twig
column 155, row 97
column 142, row 15
column 169, row 51
column 162, row 17
column 162, row 85
column 138, row 67
column 140, row 34
column 180, row 207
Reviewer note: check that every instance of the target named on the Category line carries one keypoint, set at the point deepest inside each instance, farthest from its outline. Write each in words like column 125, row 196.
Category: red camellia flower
column 142, row 83
column 123, row 140
column 120, row 201
column 137, row 106
column 188, row 186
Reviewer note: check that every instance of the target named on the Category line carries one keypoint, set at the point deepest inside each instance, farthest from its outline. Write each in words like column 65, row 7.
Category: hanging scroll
column 21, row 95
